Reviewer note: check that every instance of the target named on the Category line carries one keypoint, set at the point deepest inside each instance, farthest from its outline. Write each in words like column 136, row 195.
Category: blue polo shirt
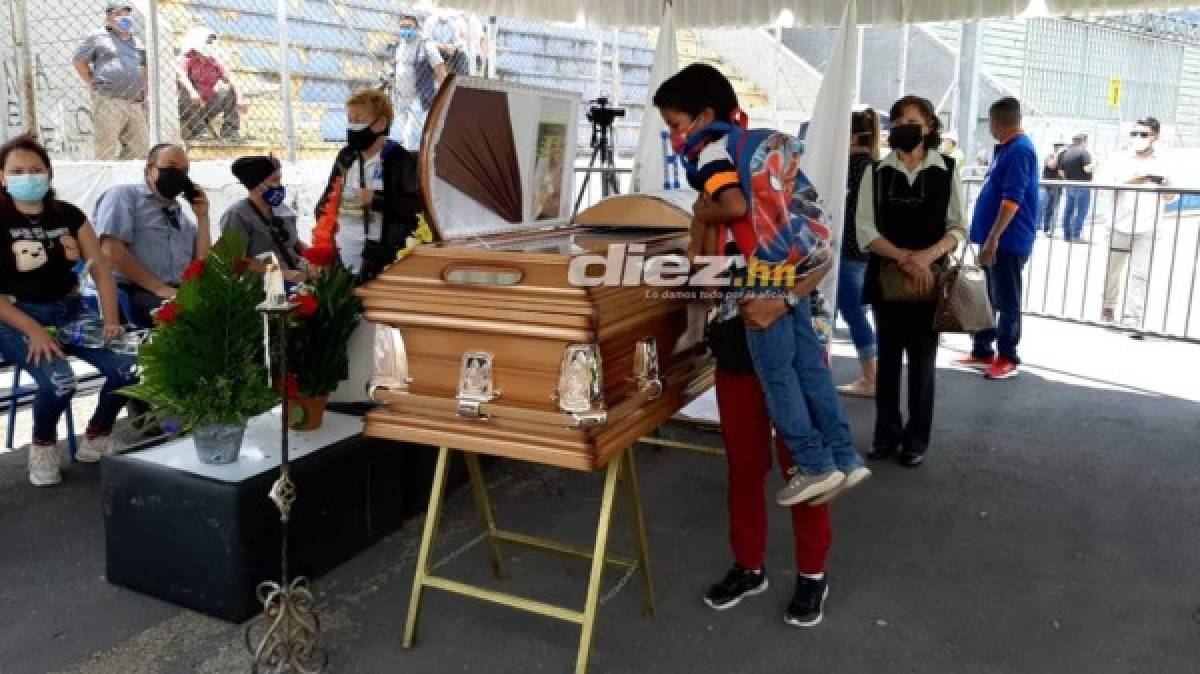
column 1011, row 182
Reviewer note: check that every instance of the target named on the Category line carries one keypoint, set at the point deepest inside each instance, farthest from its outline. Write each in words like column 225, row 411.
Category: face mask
column 171, row 182
column 124, row 24
column 408, row 33
column 208, row 49
column 274, row 196
column 1141, row 144
column 29, row 188
column 905, row 137
column 361, row 136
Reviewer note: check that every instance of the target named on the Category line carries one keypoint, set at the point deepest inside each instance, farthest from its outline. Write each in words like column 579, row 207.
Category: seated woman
column 268, row 225
column 41, row 239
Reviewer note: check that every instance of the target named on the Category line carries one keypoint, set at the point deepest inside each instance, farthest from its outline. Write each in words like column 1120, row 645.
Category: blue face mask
column 30, row 188
column 408, row 33
column 125, row 23
column 274, row 196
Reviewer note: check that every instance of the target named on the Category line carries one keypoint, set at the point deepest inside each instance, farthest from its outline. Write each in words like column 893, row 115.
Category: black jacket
column 398, row 204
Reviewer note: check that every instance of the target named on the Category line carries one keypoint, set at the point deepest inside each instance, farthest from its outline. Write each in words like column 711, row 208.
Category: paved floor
column 1052, row 530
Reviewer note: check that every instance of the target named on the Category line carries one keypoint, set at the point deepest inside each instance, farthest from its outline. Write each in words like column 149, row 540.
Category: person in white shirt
column 419, row 72
column 1136, row 221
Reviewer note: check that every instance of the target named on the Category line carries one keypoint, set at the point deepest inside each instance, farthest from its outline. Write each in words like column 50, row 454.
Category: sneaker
column 974, row 362
column 738, row 583
column 804, row 487
column 853, row 479
column 1001, row 369
column 43, row 465
column 1108, row 315
column 808, row 603
column 859, row 389
column 92, row 450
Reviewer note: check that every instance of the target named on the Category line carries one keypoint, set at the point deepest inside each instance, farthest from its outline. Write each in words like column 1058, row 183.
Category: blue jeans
column 851, row 274
column 1048, row 207
column 1076, row 210
column 801, row 398
column 56, row 380
column 1004, row 288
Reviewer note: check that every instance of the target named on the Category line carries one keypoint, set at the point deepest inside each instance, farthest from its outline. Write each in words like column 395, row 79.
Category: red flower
column 192, row 271
column 167, row 314
column 291, row 386
column 320, row 256
column 241, row 266
column 306, row 305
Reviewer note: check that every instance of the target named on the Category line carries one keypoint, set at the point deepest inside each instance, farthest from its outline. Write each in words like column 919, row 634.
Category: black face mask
column 171, row 182
column 905, row 137
column 360, row 140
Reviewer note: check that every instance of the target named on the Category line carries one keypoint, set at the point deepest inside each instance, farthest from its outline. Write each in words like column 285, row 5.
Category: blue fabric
column 801, row 398
column 851, row 275
column 1013, row 175
column 1076, row 210
column 1048, row 207
column 1004, row 288
column 55, row 379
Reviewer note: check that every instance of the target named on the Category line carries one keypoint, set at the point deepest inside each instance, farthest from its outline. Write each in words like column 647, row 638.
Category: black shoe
column 808, row 603
column 880, row 453
column 911, row 458
column 737, row 583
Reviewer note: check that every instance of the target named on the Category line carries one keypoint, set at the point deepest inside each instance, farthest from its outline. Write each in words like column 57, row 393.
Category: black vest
column 909, row 216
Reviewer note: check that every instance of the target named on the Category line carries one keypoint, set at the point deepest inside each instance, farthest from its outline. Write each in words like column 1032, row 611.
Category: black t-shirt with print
column 37, row 253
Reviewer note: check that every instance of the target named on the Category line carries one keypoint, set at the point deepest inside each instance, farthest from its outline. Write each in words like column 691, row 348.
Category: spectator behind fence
column 380, row 198
column 1136, row 222
column 146, row 233
column 909, row 216
column 419, row 72
column 1004, row 226
column 268, row 225
column 1076, row 165
column 41, row 241
column 207, row 89
column 113, row 66
column 951, row 149
column 852, row 270
column 1049, row 195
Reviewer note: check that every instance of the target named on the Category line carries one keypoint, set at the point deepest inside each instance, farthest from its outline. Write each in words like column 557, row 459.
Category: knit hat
column 252, row 171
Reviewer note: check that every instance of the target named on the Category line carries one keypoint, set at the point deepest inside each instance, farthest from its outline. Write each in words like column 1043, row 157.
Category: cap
column 252, row 171
column 116, row 6
column 1151, row 122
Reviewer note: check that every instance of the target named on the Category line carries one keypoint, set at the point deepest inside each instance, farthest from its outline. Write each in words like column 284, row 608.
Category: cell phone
column 190, row 192
column 1156, row 179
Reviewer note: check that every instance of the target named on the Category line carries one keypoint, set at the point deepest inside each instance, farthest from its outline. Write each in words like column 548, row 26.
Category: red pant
column 746, row 428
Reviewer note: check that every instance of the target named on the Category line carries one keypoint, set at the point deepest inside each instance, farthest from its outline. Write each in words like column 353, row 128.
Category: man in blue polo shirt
column 1004, row 228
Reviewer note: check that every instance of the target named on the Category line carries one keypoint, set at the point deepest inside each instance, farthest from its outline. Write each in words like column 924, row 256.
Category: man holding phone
column 1136, row 221
column 148, row 235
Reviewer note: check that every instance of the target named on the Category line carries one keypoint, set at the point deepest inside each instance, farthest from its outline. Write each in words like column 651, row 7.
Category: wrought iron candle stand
column 286, row 637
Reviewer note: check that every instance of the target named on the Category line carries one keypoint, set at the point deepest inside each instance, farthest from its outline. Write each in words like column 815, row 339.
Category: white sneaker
column 853, row 479
column 43, row 465
column 92, row 450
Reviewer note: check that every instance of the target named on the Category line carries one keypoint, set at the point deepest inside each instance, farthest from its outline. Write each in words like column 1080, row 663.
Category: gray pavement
column 1053, row 529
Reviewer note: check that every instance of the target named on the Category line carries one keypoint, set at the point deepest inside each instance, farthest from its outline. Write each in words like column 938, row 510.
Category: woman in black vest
column 909, row 218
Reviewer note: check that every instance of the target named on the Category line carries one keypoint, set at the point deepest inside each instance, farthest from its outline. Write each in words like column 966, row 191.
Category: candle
column 276, row 296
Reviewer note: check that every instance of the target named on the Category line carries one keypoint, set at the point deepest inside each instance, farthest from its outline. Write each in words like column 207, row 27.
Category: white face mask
column 1141, row 144
column 208, row 49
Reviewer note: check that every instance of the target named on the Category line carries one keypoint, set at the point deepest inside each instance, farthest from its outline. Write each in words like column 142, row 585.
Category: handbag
column 727, row 342
column 963, row 304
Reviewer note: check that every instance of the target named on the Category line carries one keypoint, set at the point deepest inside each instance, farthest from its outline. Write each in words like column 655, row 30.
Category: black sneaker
column 737, row 583
column 808, row 603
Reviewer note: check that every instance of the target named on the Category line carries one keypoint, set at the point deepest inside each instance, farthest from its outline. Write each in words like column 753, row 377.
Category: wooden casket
column 487, row 343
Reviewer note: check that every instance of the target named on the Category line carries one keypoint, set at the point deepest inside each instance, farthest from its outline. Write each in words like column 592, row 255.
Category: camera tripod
column 602, row 151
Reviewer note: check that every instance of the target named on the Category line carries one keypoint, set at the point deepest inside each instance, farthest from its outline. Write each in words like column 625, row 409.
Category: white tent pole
column 27, row 87
column 153, row 94
column 968, row 87
column 862, row 34
column 285, row 80
column 902, row 76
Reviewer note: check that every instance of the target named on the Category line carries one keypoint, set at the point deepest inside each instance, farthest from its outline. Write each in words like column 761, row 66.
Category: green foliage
column 206, row 366
column 317, row 344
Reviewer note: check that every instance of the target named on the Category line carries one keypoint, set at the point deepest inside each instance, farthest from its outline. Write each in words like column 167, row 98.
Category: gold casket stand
column 487, row 341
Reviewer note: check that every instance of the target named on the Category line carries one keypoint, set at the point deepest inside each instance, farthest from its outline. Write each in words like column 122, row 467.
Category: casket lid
column 671, row 209
column 498, row 157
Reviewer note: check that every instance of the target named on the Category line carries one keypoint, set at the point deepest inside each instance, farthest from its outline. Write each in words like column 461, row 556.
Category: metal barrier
column 1131, row 265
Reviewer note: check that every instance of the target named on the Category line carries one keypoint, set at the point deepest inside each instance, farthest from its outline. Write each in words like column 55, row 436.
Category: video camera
column 601, row 115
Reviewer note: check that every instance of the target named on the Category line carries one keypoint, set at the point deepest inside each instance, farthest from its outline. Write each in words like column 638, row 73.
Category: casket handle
column 482, row 275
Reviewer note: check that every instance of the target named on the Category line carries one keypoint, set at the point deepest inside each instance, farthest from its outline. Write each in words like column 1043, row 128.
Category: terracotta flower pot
column 305, row 413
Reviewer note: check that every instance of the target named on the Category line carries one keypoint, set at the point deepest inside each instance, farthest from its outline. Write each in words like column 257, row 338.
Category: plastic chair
column 16, row 393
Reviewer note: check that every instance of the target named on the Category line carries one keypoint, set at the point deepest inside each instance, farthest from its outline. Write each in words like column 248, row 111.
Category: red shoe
column 1001, row 368
column 974, row 363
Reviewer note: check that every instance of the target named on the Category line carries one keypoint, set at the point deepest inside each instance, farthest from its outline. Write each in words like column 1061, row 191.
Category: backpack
column 784, row 225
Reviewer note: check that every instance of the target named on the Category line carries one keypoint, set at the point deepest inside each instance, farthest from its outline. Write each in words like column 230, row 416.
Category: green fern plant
column 203, row 363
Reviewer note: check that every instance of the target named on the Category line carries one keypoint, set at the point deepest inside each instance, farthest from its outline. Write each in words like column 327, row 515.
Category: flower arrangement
column 203, row 362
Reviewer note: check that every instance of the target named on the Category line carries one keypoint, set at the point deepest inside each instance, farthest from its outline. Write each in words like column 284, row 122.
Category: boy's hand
column 760, row 312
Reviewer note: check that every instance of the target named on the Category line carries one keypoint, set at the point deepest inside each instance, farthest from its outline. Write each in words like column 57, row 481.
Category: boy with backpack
column 755, row 201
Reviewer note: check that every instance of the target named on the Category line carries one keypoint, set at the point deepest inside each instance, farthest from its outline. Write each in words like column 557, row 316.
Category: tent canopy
column 693, row 13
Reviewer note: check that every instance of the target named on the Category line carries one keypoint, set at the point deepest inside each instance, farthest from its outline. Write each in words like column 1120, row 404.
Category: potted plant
column 203, row 366
column 326, row 314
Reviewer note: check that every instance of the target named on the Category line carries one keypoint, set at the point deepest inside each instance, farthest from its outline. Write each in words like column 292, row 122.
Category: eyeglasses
column 1140, row 134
